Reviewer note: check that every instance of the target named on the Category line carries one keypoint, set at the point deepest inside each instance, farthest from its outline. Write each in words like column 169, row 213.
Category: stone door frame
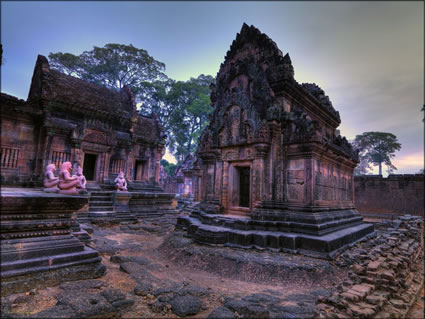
column 97, row 177
column 232, row 173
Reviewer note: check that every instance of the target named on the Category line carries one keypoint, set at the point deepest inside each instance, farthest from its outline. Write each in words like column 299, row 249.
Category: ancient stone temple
column 69, row 122
column 271, row 156
column 68, row 119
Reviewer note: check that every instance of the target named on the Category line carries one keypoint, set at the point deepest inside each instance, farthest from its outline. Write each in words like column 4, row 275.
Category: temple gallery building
column 68, row 119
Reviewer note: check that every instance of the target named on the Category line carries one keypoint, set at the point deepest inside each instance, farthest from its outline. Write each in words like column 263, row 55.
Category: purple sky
column 367, row 56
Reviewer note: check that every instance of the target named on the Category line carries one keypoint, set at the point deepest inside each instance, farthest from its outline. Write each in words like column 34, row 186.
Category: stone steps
column 100, row 203
column 239, row 222
column 146, row 214
column 101, row 209
column 324, row 246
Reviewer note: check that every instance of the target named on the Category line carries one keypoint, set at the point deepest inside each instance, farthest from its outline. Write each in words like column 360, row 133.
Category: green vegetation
column 183, row 107
column 170, row 168
column 376, row 148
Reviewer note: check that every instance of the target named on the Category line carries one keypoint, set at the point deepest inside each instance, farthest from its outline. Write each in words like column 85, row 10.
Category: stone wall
column 396, row 194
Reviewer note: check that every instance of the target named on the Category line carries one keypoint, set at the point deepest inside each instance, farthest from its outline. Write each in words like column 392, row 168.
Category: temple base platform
column 38, row 249
column 322, row 235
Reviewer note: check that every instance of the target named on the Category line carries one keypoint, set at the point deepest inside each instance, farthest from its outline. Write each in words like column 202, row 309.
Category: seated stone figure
column 121, row 183
column 50, row 181
column 67, row 184
column 82, row 179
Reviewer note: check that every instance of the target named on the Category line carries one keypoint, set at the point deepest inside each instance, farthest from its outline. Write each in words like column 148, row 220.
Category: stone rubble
column 385, row 274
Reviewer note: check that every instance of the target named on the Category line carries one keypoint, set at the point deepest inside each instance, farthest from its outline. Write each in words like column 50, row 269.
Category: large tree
column 183, row 107
column 170, row 168
column 377, row 148
column 113, row 65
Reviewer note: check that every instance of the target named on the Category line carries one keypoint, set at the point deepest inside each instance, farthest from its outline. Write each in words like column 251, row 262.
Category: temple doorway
column 139, row 170
column 89, row 167
column 244, row 186
column 239, row 188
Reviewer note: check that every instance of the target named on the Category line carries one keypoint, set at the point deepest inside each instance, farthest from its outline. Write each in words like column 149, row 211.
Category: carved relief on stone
column 95, row 136
column 250, row 129
column 241, row 82
column 263, row 133
column 222, row 137
column 295, row 179
column 235, row 115
column 230, row 155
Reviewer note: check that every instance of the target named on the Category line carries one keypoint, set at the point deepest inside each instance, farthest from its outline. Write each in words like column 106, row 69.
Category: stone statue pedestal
column 37, row 248
column 147, row 205
column 122, row 209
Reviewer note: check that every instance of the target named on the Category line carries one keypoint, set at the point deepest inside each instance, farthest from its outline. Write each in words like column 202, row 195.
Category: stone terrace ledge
column 37, row 248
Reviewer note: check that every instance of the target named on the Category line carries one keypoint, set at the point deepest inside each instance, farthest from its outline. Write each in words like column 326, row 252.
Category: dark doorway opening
column 139, row 170
column 244, row 173
column 89, row 169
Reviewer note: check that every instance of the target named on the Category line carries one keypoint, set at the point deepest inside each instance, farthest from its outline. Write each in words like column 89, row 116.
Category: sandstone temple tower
column 271, row 154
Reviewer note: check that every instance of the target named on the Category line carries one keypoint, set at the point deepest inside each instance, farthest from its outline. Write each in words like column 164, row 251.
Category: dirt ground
column 297, row 278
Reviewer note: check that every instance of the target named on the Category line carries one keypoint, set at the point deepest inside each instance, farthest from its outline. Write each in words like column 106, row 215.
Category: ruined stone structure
column 183, row 175
column 271, row 154
column 394, row 195
column 68, row 119
column 385, row 278
column 168, row 183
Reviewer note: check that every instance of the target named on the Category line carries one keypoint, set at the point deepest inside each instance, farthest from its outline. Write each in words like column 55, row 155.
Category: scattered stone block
column 143, row 289
column 186, row 305
column 221, row 312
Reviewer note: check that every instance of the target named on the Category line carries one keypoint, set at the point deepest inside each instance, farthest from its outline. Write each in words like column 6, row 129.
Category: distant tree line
column 182, row 106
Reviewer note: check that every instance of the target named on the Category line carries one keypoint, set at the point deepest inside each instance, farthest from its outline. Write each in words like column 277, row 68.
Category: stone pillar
column 48, row 145
column 258, row 180
column 76, row 153
column 127, row 171
column 218, row 176
column 158, row 162
column 204, row 180
column 309, row 181
column 107, row 163
column 274, row 171
column 225, row 186
column 122, row 209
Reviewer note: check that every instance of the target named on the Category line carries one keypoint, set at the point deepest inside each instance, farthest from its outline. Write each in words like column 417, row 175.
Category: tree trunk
column 380, row 168
column 190, row 139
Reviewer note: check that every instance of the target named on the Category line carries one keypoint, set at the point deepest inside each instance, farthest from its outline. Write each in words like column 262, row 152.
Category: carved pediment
column 97, row 137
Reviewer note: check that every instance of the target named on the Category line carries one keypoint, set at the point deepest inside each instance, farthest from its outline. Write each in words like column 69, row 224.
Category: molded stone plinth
column 147, row 205
column 37, row 248
column 323, row 239
column 122, row 209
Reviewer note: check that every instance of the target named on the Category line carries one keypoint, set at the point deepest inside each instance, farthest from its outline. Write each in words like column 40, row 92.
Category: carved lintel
column 261, row 150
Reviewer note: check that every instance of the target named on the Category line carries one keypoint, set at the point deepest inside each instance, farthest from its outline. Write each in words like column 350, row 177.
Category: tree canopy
column 170, row 168
column 376, row 148
column 113, row 65
column 183, row 107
